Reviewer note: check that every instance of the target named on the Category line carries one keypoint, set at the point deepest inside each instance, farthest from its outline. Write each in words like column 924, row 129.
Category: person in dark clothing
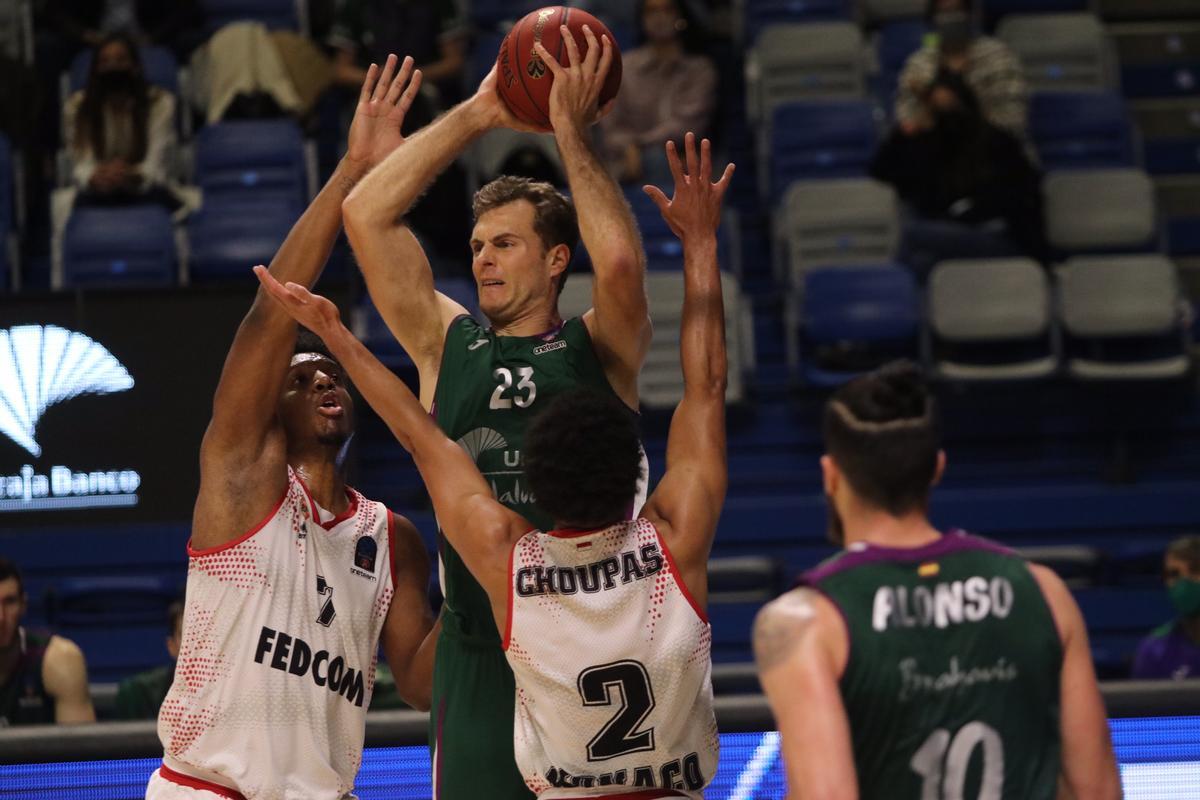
column 43, row 678
column 139, row 696
column 964, row 169
column 1172, row 651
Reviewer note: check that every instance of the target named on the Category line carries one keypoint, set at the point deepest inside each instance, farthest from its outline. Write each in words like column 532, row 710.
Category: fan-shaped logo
column 42, row 365
column 481, row 440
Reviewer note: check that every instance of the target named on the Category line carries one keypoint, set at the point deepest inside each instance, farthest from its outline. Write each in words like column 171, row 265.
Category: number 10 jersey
column 613, row 666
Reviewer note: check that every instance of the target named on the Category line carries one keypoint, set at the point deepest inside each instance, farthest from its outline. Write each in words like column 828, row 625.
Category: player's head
column 583, row 459
column 525, row 232
column 882, row 446
column 174, row 628
column 315, row 404
column 1181, row 573
column 12, row 601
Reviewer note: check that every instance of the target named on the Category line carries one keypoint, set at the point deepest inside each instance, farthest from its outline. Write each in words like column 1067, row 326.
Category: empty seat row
column 1103, row 318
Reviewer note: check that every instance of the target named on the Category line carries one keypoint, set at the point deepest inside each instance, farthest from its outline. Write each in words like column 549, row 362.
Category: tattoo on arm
column 781, row 626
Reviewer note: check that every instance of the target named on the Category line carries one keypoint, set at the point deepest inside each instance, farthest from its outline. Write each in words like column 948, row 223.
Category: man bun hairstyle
column 554, row 217
column 883, row 431
column 583, row 458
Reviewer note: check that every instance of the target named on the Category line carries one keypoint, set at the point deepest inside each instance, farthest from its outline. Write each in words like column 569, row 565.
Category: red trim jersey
column 280, row 635
column 613, row 664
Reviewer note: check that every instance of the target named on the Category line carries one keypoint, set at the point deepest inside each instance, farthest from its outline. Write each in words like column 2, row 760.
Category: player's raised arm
column 619, row 322
column 689, row 496
column 479, row 527
column 801, row 647
column 244, row 419
column 396, row 269
column 1089, row 766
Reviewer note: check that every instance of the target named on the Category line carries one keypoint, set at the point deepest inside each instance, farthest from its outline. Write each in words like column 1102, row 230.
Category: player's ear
column 829, row 475
column 559, row 257
column 939, row 469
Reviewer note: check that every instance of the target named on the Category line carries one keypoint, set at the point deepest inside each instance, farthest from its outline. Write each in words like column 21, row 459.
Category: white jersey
column 613, row 666
column 277, row 666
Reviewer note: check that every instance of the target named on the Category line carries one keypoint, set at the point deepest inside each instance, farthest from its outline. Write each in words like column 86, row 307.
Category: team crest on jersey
column 365, row 552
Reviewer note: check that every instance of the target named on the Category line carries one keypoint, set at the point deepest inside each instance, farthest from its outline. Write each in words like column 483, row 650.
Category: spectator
column 121, row 131
column 667, row 88
column 43, row 678
column 140, row 696
column 963, row 170
column 1173, row 650
column 987, row 65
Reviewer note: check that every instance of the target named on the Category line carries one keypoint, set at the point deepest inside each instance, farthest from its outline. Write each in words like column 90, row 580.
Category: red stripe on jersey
column 171, row 775
column 350, row 511
column 574, row 533
column 208, row 551
column 687, row 595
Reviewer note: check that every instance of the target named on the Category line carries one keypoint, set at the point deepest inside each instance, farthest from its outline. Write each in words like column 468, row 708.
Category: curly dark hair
column 883, row 432
column 583, row 458
column 554, row 217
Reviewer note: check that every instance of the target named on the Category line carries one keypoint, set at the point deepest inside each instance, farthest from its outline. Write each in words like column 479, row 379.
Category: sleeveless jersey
column 952, row 684
column 23, row 697
column 489, row 389
column 613, row 666
column 277, row 665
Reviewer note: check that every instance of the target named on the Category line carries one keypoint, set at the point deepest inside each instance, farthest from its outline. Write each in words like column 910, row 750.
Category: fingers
column 398, row 84
column 385, row 79
column 673, row 163
column 689, row 150
column 568, row 38
column 660, row 199
column 369, row 84
column 606, row 58
column 593, row 53
column 550, row 61
column 726, row 177
column 410, row 95
column 606, row 109
column 705, row 162
column 273, row 287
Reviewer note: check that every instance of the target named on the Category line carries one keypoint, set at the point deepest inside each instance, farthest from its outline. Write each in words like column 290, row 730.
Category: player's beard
column 835, row 529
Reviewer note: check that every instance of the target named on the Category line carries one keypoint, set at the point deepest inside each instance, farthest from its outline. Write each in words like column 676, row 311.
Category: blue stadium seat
column 813, row 140
column 1081, row 129
column 275, row 14
column 227, row 239
column 263, row 159
column 761, row 13
column 1172, row 156
column 119, row 246
column 895, row 43
column 158, row 64
column 855, row 319
column 111, row 600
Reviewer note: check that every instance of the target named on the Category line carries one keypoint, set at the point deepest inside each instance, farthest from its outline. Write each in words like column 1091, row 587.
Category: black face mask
column 953, row 30
column 123, row 81
column 955, row 126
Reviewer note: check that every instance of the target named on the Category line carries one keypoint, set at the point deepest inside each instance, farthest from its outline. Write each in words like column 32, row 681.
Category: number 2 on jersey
column 526, row 384
column 619, row 735
column 942, row 763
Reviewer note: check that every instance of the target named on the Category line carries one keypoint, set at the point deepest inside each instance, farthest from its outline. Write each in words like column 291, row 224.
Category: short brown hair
column 554, row 217
column 1186, row 548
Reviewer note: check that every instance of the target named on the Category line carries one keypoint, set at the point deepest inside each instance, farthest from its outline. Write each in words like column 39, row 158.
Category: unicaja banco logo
column 41, row 365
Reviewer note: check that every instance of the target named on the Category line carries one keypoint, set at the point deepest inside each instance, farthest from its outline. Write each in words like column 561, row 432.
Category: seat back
column 847, row 221
column 804, row 62
column 158, row 65
column 275, row 14
column 226, row 239
column 830, row 139
column 124, row 245
column 1061, row 52
column 1081, row 129
column 262, row 158
column 1101, row 209
column 758, row 14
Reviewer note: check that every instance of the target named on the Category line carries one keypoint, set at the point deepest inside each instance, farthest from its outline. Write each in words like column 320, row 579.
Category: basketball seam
column 521, row 75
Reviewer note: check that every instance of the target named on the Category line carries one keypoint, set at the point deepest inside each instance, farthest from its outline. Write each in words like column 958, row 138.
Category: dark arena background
column 1055, row 315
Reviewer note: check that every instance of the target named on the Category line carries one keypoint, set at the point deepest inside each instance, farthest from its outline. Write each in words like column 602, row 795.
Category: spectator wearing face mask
column 120, row 131
column 1173, row 650
column 987, row 66
column 963, row 170
column 667, row 89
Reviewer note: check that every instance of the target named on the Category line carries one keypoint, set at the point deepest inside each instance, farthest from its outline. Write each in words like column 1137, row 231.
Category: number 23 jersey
column 613, row 666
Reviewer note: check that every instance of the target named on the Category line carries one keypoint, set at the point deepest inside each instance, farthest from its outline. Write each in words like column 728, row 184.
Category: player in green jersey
column 918, row 665
column 485, row 384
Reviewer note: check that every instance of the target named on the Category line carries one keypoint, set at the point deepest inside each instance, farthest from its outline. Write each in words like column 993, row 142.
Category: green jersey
column 489, row 389
column 952, row 683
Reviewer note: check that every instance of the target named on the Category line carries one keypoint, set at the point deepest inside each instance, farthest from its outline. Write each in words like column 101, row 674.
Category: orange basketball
column 524, row 80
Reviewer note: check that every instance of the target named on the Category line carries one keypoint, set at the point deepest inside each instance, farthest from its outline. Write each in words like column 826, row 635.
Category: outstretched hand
column 383, row 103
column 499, row 115
column 314, row 312
column 575, row 93
column 695, row 209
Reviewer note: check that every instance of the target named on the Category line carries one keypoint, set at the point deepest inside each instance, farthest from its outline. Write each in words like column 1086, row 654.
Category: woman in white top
column 120, row 131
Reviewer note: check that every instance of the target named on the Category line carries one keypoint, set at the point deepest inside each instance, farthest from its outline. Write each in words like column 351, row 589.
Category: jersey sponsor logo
column 629, row 566
column 365, row 553
column 295, row 656
column 328, row 612
column 914, row 682
column 680, row 773
column 943, row 604
column 549, row 348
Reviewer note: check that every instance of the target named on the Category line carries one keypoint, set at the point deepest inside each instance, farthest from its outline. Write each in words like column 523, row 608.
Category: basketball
column 524, row 81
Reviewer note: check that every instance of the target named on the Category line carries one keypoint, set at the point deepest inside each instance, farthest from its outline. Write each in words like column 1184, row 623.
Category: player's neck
column 883, row 529
column 532, row 323
column 325, row 481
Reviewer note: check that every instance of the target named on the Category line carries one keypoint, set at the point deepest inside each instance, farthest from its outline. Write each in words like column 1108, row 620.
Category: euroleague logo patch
column 365, row 553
